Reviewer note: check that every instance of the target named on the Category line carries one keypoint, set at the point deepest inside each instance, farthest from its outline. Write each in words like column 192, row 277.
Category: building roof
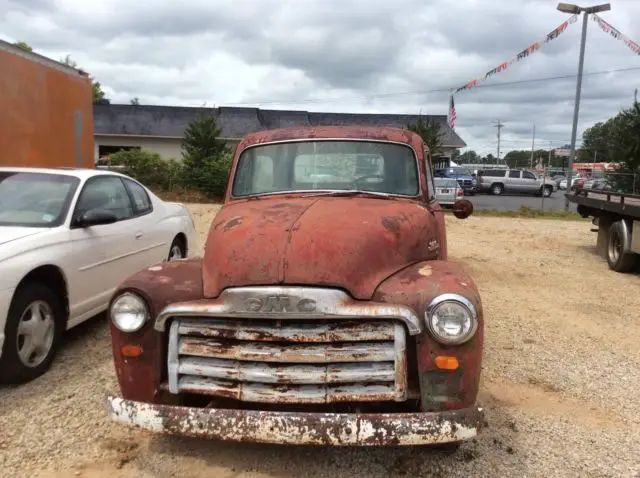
column 236, row 122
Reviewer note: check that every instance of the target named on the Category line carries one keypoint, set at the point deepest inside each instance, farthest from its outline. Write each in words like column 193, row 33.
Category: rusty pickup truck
column 323, row 311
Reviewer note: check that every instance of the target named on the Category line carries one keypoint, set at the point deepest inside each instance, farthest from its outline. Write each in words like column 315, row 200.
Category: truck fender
column 415, row 286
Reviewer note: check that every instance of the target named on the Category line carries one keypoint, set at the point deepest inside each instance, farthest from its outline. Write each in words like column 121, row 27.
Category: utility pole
column 533, row 140
column 499, row 125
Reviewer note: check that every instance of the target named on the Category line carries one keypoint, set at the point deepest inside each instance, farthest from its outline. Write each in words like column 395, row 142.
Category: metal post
column 544, row 175
column 533, row 140
column 576, row 108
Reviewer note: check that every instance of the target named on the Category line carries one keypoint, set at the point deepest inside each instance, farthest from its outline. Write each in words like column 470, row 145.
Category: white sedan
column 68, row 237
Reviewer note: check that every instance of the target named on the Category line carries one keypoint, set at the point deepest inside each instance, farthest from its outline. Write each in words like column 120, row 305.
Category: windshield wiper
column 350, row 192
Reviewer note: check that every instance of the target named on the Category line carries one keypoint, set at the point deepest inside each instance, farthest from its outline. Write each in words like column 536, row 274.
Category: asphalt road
column 512, row 202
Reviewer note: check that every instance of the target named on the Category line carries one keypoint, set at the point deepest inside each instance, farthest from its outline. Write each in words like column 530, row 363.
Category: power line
column 435, row 90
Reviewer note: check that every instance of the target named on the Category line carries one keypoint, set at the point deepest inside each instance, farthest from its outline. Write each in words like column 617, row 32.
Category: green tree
column 429, row 130
column 135, row 101
column 597, row 142
column 98, row 94
column 469, row 157
column 625, row 149
column 24, row 45
column 206, row 159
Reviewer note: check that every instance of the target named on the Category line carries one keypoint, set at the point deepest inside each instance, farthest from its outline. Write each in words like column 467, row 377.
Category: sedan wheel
column 32, row 333
column 35, row 333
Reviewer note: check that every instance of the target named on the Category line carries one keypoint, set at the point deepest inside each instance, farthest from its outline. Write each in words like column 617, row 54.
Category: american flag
column 452, row 114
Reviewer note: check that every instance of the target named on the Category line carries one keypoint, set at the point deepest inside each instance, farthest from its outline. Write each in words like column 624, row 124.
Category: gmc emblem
column 280, row 303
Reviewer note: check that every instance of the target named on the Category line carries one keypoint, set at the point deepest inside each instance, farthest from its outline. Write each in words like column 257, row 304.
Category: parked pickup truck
column 466, row 179
column 498, row 181
column 324, row 311
column 617, row 216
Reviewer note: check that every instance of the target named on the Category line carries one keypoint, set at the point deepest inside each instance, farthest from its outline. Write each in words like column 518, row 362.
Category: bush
column 209, row 174
column 149, row 168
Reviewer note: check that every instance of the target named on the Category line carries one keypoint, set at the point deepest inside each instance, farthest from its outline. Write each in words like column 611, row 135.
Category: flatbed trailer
column 617, row 217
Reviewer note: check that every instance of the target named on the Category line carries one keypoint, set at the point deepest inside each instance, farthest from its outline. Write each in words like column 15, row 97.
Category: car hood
column 352, row 243
column 10, row 233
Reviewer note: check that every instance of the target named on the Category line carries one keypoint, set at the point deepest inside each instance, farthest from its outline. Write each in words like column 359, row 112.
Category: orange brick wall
column 38, row 105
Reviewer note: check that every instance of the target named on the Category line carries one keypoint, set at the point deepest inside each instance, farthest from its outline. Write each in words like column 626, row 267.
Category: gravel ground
column 560, row 385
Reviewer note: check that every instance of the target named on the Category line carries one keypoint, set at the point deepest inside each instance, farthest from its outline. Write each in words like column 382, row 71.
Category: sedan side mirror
column 462, row 208
column 96, row 217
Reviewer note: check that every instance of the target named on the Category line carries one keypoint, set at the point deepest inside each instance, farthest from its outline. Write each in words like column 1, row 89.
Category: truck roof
column 376, row 133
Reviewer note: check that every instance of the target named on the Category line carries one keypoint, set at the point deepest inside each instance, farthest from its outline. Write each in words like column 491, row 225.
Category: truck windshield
column 327, row 165
column 462, row 171
column 35, row 199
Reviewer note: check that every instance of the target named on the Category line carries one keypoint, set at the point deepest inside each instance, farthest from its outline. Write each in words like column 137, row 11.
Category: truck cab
column 324, row 310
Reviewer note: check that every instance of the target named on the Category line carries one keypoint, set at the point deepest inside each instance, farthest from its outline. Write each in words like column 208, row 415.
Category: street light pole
column 570, row 8
column 576, row 108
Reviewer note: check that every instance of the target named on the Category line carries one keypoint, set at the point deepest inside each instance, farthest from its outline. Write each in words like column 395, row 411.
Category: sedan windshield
column 34, row 199
column 327, row 165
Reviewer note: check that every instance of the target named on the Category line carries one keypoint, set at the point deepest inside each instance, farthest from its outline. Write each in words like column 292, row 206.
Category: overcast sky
column 345, row 56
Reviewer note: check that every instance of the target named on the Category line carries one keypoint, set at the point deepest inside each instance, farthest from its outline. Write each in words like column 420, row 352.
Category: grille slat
column 293, row 361
column 346, row 331
column 289, row 394
column 294, row 374
column 308, row 353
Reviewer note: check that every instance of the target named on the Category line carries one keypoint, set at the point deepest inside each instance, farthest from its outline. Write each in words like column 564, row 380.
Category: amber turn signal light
column 447, row 363
column 131, row 351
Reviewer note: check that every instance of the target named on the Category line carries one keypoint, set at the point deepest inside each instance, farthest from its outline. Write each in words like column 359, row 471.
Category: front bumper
column 291, row 428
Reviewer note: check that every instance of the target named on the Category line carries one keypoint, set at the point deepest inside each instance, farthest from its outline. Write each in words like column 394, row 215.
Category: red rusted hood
column 351, row 243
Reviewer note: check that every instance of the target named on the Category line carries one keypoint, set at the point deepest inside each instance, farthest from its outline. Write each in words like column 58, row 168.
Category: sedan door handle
column 138, row 235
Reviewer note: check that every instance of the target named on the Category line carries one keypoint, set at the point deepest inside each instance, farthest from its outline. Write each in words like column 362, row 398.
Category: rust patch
column 392, row 225
column 233, row 222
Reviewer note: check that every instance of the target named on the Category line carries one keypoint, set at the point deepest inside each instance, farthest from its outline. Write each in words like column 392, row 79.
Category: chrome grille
column 273, row 361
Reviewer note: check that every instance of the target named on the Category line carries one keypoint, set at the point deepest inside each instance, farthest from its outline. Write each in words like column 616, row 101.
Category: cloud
column 362, row 56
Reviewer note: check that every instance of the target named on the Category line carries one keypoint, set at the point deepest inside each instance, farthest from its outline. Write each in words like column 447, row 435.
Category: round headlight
column 129, row 312
column 451, row 319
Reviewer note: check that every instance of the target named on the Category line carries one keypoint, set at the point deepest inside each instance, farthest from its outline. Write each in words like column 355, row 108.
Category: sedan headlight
column 451, row 319
column 129, row 312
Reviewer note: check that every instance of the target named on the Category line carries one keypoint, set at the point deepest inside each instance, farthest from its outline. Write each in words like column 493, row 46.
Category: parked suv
column 498, row 181
column 466, row 179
